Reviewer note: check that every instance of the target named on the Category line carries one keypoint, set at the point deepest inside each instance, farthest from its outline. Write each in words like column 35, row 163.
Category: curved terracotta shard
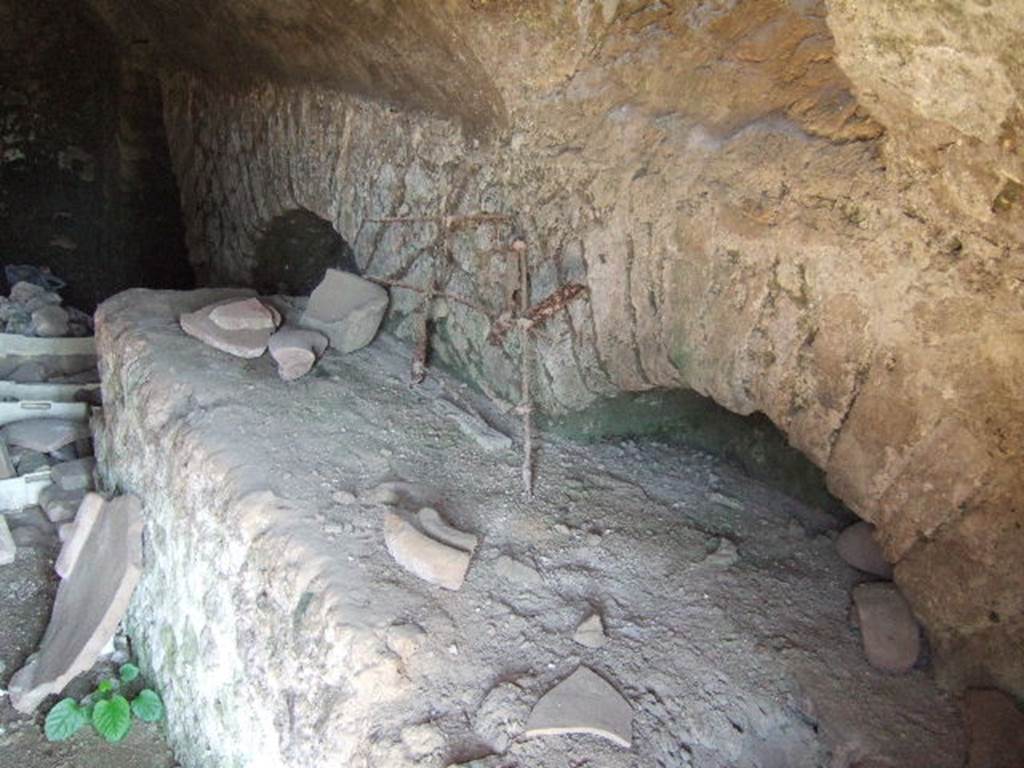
column 296, row 351
column 583, row 703
column 422, row 556
column 432, row 524
column 90, row 602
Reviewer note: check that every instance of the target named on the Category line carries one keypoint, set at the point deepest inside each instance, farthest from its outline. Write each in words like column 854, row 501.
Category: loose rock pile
column 345, row 307
column 35, row 310
column 888, row 629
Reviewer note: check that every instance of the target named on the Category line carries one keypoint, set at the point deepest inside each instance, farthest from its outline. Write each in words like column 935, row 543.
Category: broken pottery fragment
column 888, row 629
column 436, row 528
column 245, row 315
column 590, row 632
column 857, row 546
column 247, row 343
column 50, row 321
column 44, row 435
column 8, row 549
column 520, row 574
column 422, row 556
column 296, row 351
column 91, row 600
column 75, row 475
column 347, row 308
column 583, row 703
column 995, row 730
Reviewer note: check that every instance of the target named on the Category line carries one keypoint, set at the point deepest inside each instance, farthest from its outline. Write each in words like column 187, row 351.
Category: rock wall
column 87, row 186
column 749, row 211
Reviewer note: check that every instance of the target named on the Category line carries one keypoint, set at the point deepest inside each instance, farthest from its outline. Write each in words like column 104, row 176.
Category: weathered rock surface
column 296, row 351
column 91, row 602
column 275, row 597
column 858, row 547
column 583, row 703
column 76, row 475
column 890, row 634
column 51, row 320
column 8, row 549
column 995, row 730
column 819, row 228
column 347, row 308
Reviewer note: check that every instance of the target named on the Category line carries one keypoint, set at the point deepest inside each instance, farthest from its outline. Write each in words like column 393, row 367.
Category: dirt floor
column 27, row 589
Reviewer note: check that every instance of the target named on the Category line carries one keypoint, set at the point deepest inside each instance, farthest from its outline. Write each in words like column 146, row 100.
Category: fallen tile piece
column 85, row 517
column 422, row 556
column 888, row 629
column 436, row 528
column 90, row 603
column 590, row 632
column 583, row 703
column 50, row 321
column 347, row 308
column 995, row 730
column 296, row 351
column 8, row 549
column 245, row 315
column 44, row 435
column 400, row 493
column 857, row 546
column 75, row 475
column 246, row 343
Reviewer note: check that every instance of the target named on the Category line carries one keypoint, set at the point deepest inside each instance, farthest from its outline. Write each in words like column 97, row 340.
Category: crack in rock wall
column 745, row 227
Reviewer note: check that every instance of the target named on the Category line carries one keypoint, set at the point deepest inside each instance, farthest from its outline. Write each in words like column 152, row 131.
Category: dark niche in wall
column 86, row 186
column 296, row 249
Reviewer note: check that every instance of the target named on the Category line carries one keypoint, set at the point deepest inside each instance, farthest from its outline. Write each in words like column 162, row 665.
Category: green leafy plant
column 109, row 709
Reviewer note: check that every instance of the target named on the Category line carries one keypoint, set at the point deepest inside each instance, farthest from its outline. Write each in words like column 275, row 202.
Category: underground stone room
column 512, row 384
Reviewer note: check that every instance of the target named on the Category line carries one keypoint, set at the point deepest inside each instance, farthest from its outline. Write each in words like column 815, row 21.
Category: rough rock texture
column 281, row 632
column 823, row 229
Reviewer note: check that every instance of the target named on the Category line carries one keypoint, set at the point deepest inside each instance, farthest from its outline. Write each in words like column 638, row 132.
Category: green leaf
column 147, row 706
column 129, row 672
column 105, row 687
column 113, row 718
column 64, row 720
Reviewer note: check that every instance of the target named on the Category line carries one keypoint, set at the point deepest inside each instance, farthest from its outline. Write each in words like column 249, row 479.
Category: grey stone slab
column 90, row 603
column 347, row 308
column 888, row 629
column 858, row 547
column 245, row 343
column 583, row 703
column 75, row 475
column 44, row 435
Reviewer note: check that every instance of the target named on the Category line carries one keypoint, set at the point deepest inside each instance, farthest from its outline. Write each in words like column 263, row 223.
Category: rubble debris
column 91, row 601
column 422, row 740
column 423, row 556
column 60, row 505
column 347, row 308
column 6, row 464
column 583, row 703
column 50, row 321
column 245, row 315
column 246, row 343
column 590, row 632
column 75, row 475
column 404, row 640
column 8, row 549
column 858, row 547
column 23, row 491
column 29, row 462
column 995, row 729
column 296, row 351
column 888, row 629
column 44, row 435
